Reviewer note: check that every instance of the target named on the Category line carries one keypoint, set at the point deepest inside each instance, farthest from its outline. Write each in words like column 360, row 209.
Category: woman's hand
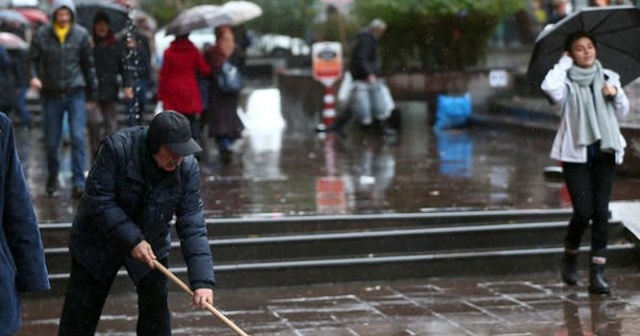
column 609, row 90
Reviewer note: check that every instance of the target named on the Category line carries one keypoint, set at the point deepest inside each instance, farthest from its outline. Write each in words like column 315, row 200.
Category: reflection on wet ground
column 283, row 172
column 538, row 305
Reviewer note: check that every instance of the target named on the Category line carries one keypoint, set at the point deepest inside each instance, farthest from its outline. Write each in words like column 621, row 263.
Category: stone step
column 56, row 234
column 374, row 249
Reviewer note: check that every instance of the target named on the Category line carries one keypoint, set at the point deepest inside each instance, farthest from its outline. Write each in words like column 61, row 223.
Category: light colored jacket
column 556, row 86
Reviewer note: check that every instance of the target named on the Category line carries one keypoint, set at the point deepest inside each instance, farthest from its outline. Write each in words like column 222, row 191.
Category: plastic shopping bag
column 381, row 101
column 453, row 111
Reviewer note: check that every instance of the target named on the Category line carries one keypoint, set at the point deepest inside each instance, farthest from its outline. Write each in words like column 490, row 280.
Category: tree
column 436, row 34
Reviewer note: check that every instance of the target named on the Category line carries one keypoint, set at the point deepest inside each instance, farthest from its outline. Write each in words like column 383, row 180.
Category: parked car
column 273, row 45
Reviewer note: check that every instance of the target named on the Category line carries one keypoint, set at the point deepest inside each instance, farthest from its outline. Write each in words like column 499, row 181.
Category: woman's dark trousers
column 590, row 187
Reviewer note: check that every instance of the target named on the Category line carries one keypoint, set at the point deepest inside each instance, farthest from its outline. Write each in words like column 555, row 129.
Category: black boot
column 570, row 268
column 597, row 283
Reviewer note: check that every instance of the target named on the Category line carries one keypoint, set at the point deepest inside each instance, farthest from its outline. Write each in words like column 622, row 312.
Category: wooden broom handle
column 160, row 267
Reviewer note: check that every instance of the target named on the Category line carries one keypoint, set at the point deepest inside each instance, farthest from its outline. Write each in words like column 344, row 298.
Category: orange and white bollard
column 329, row 108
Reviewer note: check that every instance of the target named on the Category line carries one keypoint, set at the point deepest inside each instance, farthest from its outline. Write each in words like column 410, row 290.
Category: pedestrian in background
column 364, row 66
column 589, row 145
column 62, row 69
column 178, row 85
column 141, row 177
column 109, row 57
column 138, row 63
column 561, row 8
column 22, row 260
column 223, row 120
column 7, row 82
column 21, row 69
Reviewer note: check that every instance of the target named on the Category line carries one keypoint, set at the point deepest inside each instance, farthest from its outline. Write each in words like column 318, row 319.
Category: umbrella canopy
column 241, row 11
column 137, row 14
column 616, row 31
column 12, row 15
column 34, row 15
column 12, row 41
column 211, row 16
column 86, row 11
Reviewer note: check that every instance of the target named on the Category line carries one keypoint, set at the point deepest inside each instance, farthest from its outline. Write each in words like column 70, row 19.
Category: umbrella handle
column 188, row 290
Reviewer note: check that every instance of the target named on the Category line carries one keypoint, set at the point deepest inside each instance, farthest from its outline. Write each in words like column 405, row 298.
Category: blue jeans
column 54, row 111
column 21, row 106
column 137, row 105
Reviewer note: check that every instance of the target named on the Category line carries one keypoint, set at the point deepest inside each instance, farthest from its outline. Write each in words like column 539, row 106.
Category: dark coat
column 223, row 116
column 364, row 56
column 22, row 261
column 109, row 56
column 121, row 207
column 178, row 87
column 8, row 83
column 63, row 68
column 139, row 58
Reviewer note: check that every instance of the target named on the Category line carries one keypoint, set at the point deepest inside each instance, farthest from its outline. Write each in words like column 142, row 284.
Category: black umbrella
column 616, row 30
column 86, row 10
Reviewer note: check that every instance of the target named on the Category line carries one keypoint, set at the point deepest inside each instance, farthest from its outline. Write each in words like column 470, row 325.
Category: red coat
column 178, row 87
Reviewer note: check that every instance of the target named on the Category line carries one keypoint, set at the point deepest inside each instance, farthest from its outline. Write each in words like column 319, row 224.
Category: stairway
column 324, row 249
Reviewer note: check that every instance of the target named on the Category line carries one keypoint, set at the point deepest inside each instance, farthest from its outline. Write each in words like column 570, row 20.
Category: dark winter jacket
column 63, row 68
column 223, row 119
column 178, row 87
column 8, row 85
column 139, row 59
column 122, row 206
column 109, row 57
column 22, row 262
column 364, row 56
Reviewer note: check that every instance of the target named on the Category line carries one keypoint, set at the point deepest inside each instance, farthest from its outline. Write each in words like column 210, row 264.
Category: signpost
column 327, row 69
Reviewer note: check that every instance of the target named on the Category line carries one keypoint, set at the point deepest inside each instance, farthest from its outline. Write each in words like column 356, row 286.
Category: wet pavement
column 279, row 172
column 283, row 172
column 537, row 305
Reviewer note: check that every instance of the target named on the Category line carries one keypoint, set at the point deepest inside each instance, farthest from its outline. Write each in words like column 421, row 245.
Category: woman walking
column 178, row 87
column 589, row 145
column 224, row 123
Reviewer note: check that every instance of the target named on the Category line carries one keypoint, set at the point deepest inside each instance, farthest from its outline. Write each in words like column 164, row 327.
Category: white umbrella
column 211, row 16
column 241, row 11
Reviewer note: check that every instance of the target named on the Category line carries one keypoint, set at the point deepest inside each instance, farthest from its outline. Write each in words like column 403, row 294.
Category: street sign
column 327, row 69
column 327, row 62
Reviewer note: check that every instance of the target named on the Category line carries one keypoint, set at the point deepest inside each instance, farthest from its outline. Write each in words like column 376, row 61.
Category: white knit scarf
column 594, row 117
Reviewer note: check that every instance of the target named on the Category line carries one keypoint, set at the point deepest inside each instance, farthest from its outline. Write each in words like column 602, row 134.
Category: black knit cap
column 173, row 130
column 101, row 16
